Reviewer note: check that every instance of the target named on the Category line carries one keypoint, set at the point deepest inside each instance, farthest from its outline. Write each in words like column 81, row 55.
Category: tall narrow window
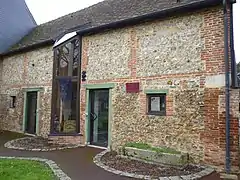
column 12, row 101
column 66, row 85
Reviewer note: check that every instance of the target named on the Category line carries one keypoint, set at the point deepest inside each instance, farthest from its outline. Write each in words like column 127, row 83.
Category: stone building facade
column 181, row 57
column 21, row 73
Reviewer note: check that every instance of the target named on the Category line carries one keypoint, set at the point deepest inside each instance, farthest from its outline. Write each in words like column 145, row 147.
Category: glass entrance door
column 99, row 101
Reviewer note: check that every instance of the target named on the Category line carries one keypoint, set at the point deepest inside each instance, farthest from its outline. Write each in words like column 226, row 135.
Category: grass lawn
column 14, row 169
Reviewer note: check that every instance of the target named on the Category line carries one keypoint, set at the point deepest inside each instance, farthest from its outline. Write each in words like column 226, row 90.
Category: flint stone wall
column 164, row 47
column 180, row 131
column 181, row 54
column 28, row 70
column 108, row 55
column 171, row 46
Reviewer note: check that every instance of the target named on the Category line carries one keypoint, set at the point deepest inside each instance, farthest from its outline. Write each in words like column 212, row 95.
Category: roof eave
column 28, row 48
column 152, row 16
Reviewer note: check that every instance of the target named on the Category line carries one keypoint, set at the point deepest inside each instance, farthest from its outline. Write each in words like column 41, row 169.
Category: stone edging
column 97, row 161
column 10, row 145
column 53, row 166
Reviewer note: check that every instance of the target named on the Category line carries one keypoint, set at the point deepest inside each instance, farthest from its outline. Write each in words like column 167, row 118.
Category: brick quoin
column 214, row 133
column 84, row 62
column 133, row 47
column 25, row 64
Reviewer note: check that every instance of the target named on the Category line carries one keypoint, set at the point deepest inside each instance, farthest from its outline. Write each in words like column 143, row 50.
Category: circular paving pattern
column 36, row 144
column 143, row 170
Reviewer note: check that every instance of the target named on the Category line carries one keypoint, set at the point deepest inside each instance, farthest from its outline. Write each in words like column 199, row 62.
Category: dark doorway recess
column 31, row 110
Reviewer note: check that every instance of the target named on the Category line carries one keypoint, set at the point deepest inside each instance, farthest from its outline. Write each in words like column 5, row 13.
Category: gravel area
column 36, row 144
column 133, row 166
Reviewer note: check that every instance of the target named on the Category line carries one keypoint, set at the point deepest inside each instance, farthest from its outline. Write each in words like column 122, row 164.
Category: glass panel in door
column 99, row 117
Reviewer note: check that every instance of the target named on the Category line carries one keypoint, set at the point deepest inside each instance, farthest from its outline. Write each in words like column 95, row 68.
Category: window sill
column 157, row 114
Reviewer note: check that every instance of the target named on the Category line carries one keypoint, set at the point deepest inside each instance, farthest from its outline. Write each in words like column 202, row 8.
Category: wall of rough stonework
column 108, row 55
column 45, row 111
column 12, row 117
column 32, row 69
column 171, row 46
column 184, row 55
column 13, row 69
column 180, row 130
column 39, row 66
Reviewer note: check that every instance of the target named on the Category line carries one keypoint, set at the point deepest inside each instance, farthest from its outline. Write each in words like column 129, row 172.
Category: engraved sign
column 155, row 103
column 132, row 87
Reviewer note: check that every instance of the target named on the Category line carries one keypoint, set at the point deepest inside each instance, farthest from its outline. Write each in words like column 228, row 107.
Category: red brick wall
column 83, row 90
column 213, row 33
column 65, row 139
column 214, row 134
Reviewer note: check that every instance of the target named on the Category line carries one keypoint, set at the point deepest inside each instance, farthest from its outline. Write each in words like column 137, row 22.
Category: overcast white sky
column 46, row 10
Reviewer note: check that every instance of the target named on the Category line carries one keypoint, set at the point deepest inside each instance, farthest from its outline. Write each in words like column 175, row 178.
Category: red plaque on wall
column 132, row 87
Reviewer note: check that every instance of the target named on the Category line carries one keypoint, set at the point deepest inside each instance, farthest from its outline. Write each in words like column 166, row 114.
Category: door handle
column 94, row 116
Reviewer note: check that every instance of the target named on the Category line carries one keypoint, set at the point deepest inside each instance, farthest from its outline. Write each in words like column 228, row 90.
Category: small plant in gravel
column 146, row 146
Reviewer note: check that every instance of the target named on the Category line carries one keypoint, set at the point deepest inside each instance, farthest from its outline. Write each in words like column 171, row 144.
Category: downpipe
column 234, row 78
column 227, row 86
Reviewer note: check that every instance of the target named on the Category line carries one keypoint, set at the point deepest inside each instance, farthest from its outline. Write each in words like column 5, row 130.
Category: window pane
column 155, row 103
column 76, row 54
column 64, row 60
column 65, row 118
column 65, row 87
column 163, row 103
column 68, row 59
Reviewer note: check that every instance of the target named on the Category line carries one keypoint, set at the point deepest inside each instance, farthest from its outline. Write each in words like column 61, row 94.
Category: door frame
column 25, row 91
column 90, row 87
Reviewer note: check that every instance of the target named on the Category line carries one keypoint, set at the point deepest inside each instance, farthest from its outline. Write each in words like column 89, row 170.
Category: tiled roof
column 14, row 26
column 105, row 12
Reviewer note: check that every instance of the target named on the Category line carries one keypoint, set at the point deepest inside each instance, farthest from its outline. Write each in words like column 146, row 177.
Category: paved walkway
column 76, row 163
